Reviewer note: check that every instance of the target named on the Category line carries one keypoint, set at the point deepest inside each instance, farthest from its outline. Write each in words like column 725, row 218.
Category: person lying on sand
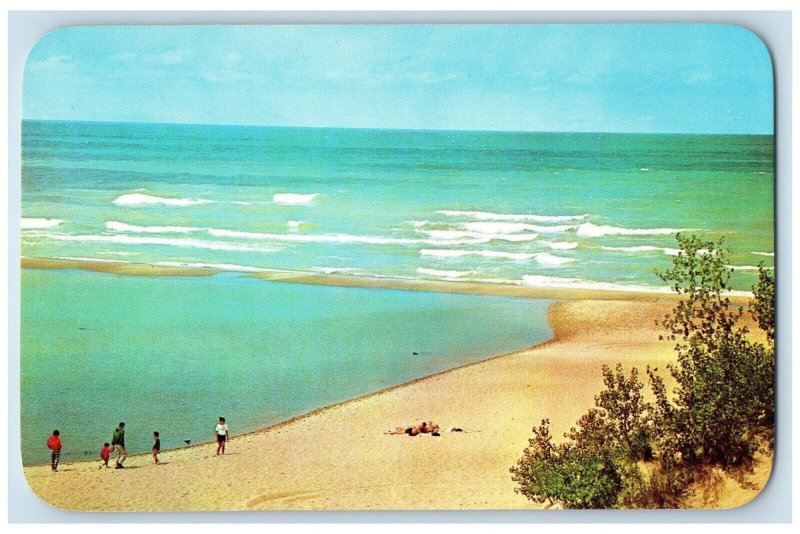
column 425, row 427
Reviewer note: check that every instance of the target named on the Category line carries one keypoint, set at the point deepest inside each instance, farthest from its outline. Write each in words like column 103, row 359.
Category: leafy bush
column 722, row 407
column 596, row 468
column 724, row 397
column 575, row 476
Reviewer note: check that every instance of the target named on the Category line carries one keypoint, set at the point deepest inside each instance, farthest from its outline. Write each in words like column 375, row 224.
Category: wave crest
column 563, row 245
column 444, row 274
column 644, row 248
column 593, row 230
column 138, row 199
column 495, row 227
column 37, row 223
column 448, row 253
column 294, row 199
column 123, row 227
column 552, row 261
column 489, row 216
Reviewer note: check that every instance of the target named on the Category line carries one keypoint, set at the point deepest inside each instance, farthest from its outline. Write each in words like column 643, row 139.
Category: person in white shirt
column 221, row 433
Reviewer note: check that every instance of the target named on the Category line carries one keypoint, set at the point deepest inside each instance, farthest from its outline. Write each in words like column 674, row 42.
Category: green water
column 172, row 354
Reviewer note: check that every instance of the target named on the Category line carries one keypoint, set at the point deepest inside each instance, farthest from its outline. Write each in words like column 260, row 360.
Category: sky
column 659, row 78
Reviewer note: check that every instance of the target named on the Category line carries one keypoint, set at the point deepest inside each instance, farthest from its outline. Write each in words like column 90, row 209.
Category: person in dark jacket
column 118, row 442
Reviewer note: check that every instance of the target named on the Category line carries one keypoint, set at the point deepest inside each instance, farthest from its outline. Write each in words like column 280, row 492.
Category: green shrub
column 574, row 476
column 721, row 410
column 724, row 398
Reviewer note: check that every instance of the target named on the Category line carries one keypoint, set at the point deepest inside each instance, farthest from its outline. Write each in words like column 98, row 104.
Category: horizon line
column 474, row 130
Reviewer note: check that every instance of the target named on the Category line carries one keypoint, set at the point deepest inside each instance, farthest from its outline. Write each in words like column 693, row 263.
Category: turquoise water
column 518, row 208
column 172, row 354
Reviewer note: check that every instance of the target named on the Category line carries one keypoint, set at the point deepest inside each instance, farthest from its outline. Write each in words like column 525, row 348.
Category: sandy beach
column 339, row 457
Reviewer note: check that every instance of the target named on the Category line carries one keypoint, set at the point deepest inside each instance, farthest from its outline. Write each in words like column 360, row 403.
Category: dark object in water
column 187, row 441
column 415, row 353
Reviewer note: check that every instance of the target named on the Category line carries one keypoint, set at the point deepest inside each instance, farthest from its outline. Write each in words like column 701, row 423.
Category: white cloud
column 52, row 62
column 170, row 57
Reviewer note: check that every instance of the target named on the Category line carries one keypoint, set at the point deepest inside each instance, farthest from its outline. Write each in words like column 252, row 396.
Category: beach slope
column 339, row 457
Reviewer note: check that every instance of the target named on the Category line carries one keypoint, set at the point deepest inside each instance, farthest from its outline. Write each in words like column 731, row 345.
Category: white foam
column 476, row 237
column 495, row 227
column 443, row 274
column 316, row 238
column 123, row 227
column 36, row 223
column 124, row 239
column 335, row 270
column 550, row 260
column 537, row 280
column 770, row 254
column 577, row 283
column 746, row 267
column 644, row 248
column 534, row 280
column 563, row 245
column 449, row 253
column 218, row 266
column 593, row 230
column 96, row 260
column 294, row 199
column 137, row 199
column 489, row 216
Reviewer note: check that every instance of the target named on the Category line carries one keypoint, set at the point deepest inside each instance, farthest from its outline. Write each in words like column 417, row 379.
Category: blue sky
column 691, row 78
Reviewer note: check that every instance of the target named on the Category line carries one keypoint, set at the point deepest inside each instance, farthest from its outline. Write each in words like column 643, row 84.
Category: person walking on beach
column 54, row 444
column 118, row 442
column 221, row 433
column 105, row 453
column 156, row 447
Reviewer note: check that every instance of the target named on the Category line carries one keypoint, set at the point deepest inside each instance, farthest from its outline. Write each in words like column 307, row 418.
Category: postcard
column 397, row 267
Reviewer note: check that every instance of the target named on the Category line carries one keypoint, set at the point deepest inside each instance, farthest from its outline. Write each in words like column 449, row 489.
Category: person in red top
column 54, row 444
column 105, row 452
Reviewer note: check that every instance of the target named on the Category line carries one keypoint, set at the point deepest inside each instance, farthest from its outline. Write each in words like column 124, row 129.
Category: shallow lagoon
column 172, row 353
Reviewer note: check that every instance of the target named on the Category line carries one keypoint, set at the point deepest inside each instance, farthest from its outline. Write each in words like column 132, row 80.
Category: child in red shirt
column 54, row 444
column 105, row 452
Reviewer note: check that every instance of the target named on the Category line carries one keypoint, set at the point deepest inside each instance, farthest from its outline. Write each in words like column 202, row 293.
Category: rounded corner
column 46, row 36
column 755, row 496
column 40, row 496
column 755, row 36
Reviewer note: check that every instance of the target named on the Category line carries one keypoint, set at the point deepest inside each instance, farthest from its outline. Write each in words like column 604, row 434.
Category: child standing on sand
column 156, row 447
column 54, row 444
column 221, row 433
column 105, row 453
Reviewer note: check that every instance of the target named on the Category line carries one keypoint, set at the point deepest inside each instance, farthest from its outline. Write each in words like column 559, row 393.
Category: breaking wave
column 448, row 253
column 444, row 274
column 593, row 230
column 36, row 223
column 489, row 216
column 294, row 199
column 645, row 248
column 138, row 199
